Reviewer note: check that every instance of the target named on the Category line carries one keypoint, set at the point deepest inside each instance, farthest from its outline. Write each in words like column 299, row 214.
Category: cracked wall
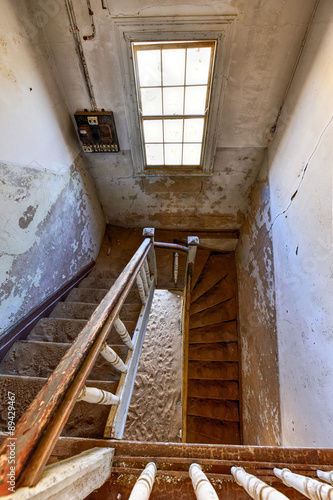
column 300, row 174
column 51, row 227
column 257, row 321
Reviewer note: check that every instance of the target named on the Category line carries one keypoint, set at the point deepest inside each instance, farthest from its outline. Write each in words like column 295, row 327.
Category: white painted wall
column 300, row 162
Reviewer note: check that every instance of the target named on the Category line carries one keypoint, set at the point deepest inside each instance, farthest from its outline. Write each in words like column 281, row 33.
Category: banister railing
column 42, row 423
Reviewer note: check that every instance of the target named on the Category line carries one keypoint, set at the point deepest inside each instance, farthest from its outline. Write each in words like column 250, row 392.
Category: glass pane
column 151, row 101
column 173, row 99
column 173, row 130
column 149, row 64
column 154, row 154
column 193, row 129
column 173, row 61
column 173, row 154
column 197, row 65
column 191, row 154
column 195, row 100
column 153, row 130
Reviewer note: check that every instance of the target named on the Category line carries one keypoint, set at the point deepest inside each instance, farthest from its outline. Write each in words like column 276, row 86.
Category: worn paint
column 51, row 227
column 258, row 336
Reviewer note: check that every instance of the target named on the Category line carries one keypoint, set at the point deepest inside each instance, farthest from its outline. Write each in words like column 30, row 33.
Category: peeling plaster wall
column 300, row 163
column 51, row 222
column 257, row 321
column 51, row 227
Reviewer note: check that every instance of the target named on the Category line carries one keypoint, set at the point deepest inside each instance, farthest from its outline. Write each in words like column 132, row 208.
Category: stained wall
column 51, row 222
column 300, row 176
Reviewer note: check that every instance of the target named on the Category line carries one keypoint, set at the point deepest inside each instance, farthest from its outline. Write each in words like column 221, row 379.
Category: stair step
column 221, row 292
column 26, row 389
column 66, row 330
column 215, row 314
column 95, row 282
column 86, row 295
column 39, row 359
column 221, row 332
column 212, row 408
column 213, row 389
column 201, row 259
column 219, row 351
column 215, row 269
column 81, row 310
column 207, row 430
column 212, row 370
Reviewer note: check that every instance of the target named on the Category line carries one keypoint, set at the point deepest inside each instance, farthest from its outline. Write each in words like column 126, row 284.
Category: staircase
column 28, row 364
column 213, row 413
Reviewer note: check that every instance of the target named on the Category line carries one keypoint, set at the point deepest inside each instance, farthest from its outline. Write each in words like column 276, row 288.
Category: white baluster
column 144, row 485
column 112, row 357
column 139, row 284
column 309, row 487
column 326, row 476
column 146, row 266
column 144, row 280
column 123, row 333
column 97, row 396
column 201, row 485
column 175, row 268
column 256, row 488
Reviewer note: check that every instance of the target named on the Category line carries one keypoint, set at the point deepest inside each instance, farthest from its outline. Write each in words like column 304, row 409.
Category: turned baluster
column 309, row 487
column 326, row 476
column 97, row 396
column 144, row 280
column 123, row 333
column 201, row 485
column 175, row 267
column 256, row 488
column 112, row 357
column 144, row 485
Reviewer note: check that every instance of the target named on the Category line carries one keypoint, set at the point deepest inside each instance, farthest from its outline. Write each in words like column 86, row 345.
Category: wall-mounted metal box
column 97, row 131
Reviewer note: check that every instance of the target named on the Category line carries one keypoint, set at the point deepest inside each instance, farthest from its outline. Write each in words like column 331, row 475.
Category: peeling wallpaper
column 258, row 334
column 51, row 227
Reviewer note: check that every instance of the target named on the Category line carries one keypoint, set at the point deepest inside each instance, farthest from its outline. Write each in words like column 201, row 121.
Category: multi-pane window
column 173, row 89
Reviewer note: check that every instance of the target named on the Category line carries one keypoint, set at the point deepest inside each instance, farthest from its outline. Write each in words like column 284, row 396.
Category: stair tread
column 83, row 310
column 225, row 410
column 214, row 430
column 217, row 266
column 216, row 370
column 218, row 389
column 201, row 258
column 95, row 282
column 219, row 293
column 215, row 314
column 96, row 295
column 217, row 351
column 220, row 332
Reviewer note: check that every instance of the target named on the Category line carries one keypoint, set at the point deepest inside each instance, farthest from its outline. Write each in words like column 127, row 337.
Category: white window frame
column 159, row 29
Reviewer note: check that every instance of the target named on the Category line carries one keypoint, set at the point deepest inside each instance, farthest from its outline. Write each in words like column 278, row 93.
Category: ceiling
column 265, row 39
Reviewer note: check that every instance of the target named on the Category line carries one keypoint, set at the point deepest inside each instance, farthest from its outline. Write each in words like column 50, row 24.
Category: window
column 160, row 135
column 173, row 81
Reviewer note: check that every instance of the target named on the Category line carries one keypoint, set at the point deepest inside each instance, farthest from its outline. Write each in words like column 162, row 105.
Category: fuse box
column 97, row 131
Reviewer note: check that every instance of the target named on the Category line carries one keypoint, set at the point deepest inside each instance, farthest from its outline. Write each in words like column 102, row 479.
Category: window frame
column 173, row 29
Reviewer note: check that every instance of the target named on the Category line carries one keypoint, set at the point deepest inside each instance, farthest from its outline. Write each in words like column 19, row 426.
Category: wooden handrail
column 170, row 246
column 35, row 421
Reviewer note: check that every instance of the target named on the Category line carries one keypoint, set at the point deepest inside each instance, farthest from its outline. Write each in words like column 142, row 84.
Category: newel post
column 192, row 242
column 149, row 232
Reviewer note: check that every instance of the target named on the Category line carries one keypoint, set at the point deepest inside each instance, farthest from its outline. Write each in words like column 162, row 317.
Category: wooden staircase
column 213, row 399
column 29, row 363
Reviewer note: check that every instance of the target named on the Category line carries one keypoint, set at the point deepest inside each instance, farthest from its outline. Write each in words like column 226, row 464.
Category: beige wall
column 300, row 175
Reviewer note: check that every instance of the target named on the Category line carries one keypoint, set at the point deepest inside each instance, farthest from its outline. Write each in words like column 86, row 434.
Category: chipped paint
column 51, row 227
column 255, row 269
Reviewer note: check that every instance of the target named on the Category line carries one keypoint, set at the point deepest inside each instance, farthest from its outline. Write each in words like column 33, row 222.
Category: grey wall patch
column 27, row 217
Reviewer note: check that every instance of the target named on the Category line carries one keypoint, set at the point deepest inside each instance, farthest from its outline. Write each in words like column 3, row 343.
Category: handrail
column 171, row 246
column 35, row 421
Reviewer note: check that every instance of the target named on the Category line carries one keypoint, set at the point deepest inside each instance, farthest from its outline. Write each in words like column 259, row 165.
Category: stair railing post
column 309, row 487
column 202, row 487
column 144, row 485
column 149, row 232
column 256, row 488
column 192, row 242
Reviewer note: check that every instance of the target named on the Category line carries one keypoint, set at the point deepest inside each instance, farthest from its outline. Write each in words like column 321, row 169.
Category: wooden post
column 144, row 484
column 123, row 333
column 175, row 267
column 97, row 396
column 325, row 476
column 149, row 232
column 201, row 485
column 309, row 487
column 256, row 488
column 112, row 357
column 193, row 242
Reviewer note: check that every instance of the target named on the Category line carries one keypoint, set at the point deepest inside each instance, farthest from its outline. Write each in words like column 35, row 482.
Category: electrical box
column 97, row 131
